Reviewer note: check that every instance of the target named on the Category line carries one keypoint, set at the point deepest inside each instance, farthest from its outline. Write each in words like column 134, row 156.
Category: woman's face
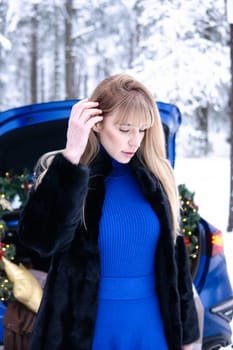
column 121, row 141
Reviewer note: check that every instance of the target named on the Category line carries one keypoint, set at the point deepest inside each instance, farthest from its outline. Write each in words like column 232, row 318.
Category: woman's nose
column 135, row 140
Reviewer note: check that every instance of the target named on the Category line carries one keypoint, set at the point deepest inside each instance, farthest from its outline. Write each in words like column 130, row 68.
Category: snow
column 209, row 178
column 5, row 43
column 230, row 11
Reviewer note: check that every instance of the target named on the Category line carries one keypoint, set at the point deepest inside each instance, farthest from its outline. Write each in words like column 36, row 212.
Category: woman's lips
column 128, row 154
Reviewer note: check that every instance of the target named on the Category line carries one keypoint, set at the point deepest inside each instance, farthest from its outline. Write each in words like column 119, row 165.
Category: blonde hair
column 130, row 99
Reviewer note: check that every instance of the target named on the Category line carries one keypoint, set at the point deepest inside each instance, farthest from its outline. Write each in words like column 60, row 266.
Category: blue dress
column 128, row 316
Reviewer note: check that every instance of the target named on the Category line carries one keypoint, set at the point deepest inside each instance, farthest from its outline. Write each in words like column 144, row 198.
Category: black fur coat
column 50, row 224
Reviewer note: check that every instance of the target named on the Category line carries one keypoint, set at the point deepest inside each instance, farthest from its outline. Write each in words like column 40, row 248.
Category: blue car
column 28, row 132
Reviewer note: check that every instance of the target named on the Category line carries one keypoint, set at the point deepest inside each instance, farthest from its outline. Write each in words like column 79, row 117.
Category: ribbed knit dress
column 128, row 316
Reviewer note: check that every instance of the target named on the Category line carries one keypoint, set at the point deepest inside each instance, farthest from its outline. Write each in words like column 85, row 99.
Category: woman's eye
column 124, row 130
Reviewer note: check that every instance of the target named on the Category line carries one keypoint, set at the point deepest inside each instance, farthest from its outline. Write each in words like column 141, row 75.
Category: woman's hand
column 84, row 115
column 187, row 347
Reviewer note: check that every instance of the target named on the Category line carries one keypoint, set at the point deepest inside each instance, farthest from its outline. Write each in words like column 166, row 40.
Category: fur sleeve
column 189, row 317
column 53, row 211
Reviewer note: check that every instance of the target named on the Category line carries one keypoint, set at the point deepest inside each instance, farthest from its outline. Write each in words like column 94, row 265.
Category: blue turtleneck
column 128, row 315
column 129, row 228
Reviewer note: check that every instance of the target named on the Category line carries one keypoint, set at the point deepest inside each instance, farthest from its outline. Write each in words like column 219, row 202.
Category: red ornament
column 1, row 254
column 187, row 241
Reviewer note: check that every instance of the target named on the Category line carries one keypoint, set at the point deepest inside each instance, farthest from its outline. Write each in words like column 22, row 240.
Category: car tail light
column 217, row 243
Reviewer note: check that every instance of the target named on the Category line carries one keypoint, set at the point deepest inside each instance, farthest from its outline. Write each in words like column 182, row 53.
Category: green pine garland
column 12, row 185
column 8, row 251
column 189, row 223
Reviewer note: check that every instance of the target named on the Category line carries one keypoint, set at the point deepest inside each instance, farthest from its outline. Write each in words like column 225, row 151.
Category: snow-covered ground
column 209, row 178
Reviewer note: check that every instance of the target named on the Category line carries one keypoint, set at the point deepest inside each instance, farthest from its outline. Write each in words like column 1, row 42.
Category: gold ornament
column 5, row 204
column 26, row 288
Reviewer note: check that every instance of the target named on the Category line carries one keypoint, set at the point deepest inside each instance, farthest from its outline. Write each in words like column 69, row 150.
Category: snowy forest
column 60, row 49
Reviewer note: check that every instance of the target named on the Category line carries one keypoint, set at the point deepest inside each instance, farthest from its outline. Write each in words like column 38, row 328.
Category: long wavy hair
column 131, row 100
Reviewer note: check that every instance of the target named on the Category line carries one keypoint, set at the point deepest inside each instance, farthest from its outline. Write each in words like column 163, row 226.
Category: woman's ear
column 96, row 127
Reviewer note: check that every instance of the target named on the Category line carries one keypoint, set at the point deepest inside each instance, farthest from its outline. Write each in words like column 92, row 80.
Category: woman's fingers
column 89, row 113
column 84, row 116
column 83, row 110
column 94, row 120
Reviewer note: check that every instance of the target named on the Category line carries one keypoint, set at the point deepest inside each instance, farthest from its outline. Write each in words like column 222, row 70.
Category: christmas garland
column 14, row 187
column 7, row 250
column 189, row 223
column 13, row 193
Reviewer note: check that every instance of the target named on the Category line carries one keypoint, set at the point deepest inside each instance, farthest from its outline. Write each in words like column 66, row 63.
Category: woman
column 106, row 209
